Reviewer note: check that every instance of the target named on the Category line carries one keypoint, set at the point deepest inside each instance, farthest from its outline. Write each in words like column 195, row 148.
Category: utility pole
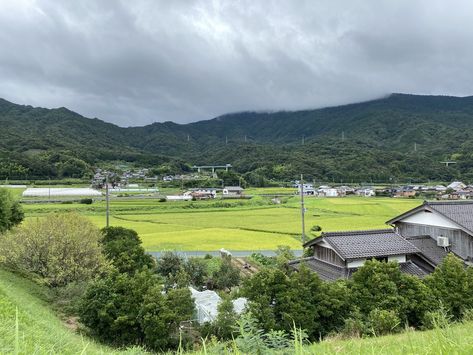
column 302, row 209
column 107, row 199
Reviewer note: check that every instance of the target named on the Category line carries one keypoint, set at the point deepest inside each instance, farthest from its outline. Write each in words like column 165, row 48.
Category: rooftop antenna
column 302, row 209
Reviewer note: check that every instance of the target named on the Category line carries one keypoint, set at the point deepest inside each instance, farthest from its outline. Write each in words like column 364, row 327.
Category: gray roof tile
column 459, row 212
column 326, row 271
column 367, row 244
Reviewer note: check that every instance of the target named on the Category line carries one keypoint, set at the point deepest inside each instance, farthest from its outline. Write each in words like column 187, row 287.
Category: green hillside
column 29, row 326
column 399, row 137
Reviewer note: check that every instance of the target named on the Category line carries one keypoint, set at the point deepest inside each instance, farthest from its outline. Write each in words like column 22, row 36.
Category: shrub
column 123, row 248
column 86, row 201
column 59, row 249
column 316, row 228
column 381, row 322
column 11, row 213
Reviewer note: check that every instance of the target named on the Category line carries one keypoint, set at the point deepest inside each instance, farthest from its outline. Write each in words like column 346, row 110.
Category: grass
column 455, row 339
column 29, row 326
column 254, row 224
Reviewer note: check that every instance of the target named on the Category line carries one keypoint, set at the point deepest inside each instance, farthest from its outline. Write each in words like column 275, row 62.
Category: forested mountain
column 399, row 137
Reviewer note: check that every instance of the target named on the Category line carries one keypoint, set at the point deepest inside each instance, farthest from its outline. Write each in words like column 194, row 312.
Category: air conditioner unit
column 443, row 242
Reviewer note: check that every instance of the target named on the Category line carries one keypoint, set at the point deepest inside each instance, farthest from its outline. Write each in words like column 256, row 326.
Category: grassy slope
column 456, row 339
column 39, row 329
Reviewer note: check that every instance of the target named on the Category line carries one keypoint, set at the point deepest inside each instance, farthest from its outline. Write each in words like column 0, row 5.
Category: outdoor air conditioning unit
column 443, row 242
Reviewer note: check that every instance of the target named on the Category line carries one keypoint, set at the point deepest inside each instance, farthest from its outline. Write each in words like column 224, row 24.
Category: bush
column 316, row 228
column 86, row 201
column 11, row 213
column 58, row 249
column 123, row 248
column 381, row 322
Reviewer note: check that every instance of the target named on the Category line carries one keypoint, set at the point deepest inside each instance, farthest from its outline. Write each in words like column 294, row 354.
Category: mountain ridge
column 394, row 127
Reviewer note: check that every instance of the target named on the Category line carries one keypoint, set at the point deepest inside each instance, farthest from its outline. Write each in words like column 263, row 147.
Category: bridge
column 212, row 167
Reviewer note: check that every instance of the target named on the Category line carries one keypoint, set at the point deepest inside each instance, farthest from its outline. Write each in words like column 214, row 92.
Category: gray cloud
column 136, row 62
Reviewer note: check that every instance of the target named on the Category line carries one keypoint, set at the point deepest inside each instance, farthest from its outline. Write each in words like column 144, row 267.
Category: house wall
column 328, row 255
column 461, row 242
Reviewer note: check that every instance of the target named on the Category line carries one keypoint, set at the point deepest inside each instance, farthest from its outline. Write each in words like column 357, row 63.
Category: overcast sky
column 137, row 62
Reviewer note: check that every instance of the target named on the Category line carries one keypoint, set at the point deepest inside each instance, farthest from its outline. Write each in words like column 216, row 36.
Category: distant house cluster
column 418, row 240
column 329, row 191
column 457, row 190
column 210, row 193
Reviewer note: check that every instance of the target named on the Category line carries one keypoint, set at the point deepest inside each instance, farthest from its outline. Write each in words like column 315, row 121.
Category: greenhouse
column 60, row 192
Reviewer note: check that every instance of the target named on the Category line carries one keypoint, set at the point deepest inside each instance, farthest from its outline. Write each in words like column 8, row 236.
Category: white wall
column 430, row 219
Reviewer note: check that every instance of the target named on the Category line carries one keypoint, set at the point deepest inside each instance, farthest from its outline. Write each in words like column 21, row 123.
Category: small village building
column 365, row 192
column 456, row 186
column 308, row 189
column 338, row 255
column 448, row 223
column 405, row 191
column 327, row 191
column 201, row 193
column 420, row 239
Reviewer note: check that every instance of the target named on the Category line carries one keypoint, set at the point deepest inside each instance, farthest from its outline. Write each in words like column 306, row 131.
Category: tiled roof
column 326, row 271
column 366, row 244
column 410, row 268
column 428, row 248
column 459, row 212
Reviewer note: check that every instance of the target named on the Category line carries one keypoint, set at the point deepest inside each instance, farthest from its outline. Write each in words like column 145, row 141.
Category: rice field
column 254, row 224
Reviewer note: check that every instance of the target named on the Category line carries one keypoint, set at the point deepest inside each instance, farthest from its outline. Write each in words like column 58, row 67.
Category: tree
column 59, row 249
column 226, row 276
column 452, row 283
column 196, row 268
column 169, row 263
column 11, row 213
column 112, row 305
column 394, row 291
column 124, row 310
column 224, row 325
column 123, row 248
